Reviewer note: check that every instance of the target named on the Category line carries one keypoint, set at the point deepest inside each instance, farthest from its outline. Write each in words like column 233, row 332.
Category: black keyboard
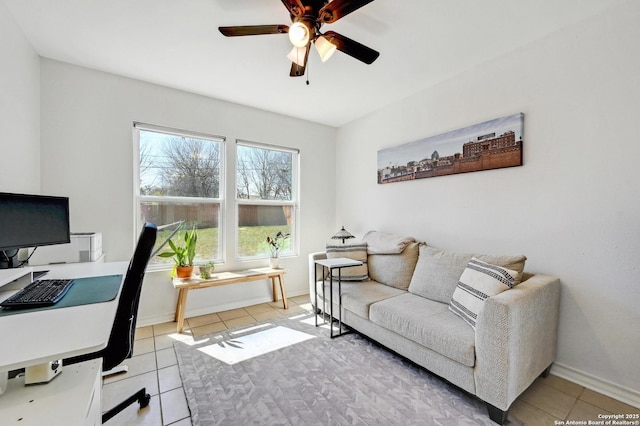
column 38, row 294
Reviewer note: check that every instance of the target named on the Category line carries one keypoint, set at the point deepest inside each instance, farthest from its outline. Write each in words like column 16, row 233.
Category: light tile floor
column 154, row 366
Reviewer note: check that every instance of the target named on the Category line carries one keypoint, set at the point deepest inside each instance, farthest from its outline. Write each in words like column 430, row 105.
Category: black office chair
column 120, row 344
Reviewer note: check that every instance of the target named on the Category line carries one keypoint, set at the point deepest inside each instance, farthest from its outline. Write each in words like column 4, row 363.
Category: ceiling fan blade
column 245, row 30
column 298, row 70
column 295, row 7
column 352, row 47
column 337, row 9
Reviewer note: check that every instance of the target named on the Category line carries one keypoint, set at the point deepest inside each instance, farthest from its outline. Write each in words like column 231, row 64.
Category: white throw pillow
column 479, row 281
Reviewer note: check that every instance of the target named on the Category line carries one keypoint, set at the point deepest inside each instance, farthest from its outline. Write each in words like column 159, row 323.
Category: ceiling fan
column 307, row 17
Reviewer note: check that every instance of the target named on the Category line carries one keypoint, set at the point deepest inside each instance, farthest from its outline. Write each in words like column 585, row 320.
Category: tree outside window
column 266, row 182
column 180, row 179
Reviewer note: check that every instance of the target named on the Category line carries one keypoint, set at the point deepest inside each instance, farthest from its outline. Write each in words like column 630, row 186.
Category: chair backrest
column 120, row 345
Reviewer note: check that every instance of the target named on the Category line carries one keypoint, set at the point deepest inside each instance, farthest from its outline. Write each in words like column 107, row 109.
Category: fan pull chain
column 308, row 72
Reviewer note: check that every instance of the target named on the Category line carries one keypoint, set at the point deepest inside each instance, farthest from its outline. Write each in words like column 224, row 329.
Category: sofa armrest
column 516, row 339
column 312, row 265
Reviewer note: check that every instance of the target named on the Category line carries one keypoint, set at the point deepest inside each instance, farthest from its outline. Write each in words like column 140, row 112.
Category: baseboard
column 153, row 320
column 626, row 395
column 168, row 317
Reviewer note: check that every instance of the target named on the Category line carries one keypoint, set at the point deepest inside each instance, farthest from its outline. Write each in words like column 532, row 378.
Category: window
column 181, row 178
column 266, row 197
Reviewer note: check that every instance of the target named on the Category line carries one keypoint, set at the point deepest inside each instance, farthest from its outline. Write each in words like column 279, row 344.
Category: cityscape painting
column 493, row 144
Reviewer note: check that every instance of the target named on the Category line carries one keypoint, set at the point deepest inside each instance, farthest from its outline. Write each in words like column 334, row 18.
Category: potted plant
column 183, row 255
column 275, row 245
column 206, row 270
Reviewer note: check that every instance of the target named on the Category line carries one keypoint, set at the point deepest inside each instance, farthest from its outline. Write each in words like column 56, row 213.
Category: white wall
column 87, row 152
column 19, row 110
column 573, row 208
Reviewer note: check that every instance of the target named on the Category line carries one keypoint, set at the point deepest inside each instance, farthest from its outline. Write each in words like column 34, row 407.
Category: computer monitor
column 31, row 221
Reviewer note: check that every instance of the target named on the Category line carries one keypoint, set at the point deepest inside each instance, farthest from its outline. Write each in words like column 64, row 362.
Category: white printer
column 84, row 247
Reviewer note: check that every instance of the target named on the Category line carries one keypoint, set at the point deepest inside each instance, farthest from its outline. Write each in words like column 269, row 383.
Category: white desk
column 72, row 398
column 42, row 336
column 33, row 338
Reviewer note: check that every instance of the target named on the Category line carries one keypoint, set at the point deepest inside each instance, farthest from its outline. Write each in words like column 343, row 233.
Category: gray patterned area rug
column 288, row 372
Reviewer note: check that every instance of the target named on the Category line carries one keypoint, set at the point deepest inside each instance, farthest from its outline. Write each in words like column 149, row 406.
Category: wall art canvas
column 493, row 144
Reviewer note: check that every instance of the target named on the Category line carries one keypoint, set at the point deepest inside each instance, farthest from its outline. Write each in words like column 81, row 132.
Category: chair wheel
column 145, row 400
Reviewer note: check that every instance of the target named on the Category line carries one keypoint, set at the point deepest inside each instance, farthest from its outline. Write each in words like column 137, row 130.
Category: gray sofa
column 404, row 305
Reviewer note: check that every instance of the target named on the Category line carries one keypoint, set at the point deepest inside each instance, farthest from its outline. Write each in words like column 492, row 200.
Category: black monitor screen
column 33, row 220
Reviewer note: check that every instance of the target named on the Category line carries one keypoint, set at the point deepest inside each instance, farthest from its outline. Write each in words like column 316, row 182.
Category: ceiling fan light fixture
column 297, row 55
column 307, row 18
column 325, row 48
column 299, row 34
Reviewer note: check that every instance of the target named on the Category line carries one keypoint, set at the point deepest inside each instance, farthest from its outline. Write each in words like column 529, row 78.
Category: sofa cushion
column 428, row 323
column 357, row 297
column 394, row 270
column 479, row 281
column 351, row 251
column 385, row 243
column 437, row 271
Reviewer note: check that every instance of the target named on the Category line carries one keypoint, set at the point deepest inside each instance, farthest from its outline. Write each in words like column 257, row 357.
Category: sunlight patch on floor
column 241, row 348
column 322, row 324
column 252, row 328
column 186, row 339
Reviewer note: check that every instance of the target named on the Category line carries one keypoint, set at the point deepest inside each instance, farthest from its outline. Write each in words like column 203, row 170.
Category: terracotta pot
column 184, row 271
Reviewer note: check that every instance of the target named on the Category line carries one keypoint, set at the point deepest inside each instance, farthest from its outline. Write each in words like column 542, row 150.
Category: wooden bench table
column 226, row 278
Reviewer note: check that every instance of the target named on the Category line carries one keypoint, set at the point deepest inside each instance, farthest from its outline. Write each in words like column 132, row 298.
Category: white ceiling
column 176, row 43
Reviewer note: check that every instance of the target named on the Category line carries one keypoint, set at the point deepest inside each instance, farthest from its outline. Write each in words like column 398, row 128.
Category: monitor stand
column 38, row 274
column 9, row 259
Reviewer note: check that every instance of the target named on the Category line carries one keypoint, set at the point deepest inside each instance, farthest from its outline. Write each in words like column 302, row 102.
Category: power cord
column 24, row 262
column 10, row 258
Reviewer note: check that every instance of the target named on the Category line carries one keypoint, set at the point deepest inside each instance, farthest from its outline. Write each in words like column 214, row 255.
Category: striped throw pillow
column 351, row 251
column 479, row 281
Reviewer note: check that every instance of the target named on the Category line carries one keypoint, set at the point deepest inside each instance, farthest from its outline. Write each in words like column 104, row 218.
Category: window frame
column 220, row 201
column 294, row 241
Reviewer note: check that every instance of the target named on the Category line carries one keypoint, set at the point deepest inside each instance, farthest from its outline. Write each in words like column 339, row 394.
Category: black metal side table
column 331, row 264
